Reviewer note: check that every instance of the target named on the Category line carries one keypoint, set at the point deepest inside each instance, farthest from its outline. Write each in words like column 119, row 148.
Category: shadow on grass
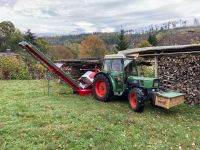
column 119, row 99
column 152, row 109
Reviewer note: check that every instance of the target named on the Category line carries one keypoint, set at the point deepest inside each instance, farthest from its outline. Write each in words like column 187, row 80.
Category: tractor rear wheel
column 136, row 100
column 102, row 89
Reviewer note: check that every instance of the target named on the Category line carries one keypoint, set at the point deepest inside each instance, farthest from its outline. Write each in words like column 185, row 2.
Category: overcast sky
column 43, row 16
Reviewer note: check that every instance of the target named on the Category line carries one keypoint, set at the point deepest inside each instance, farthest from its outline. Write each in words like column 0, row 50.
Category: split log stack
column 181, row 72
column 77, row 67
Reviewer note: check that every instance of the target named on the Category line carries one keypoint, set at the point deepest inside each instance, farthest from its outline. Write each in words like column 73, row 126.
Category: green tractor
column 124, row 76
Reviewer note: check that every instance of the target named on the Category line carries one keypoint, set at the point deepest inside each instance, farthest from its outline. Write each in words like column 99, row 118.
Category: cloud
column 8, row 3
column 63, row 16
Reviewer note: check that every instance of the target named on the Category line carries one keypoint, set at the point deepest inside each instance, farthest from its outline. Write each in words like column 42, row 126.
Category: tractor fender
column 109, row 78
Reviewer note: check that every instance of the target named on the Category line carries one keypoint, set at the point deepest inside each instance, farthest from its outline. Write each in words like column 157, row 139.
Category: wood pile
column 181, row 73
column 77, row 67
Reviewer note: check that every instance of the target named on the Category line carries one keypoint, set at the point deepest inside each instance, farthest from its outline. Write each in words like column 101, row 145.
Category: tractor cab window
column 135, row 68
column 140, row 70
column 107, row 65
column 131, row 69
column 117, row 65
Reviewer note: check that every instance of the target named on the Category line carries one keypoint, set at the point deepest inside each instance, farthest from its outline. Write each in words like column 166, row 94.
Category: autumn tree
column 12, row 42
column 196, row 40
column 7, row 28
column 92, row 47
column 74, row 48
column 42, row 44
column 122, row 41
column 60, row 52
column 143, row 43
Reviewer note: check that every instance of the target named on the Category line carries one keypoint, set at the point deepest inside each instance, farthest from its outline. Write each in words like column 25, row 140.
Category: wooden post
column 48, row 79
column 156, row 66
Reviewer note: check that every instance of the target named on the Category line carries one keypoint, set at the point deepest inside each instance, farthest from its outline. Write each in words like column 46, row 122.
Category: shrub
column 143, row 43
column 149, row 71
column 60, row 52
column 38, row 71
column 13, row 68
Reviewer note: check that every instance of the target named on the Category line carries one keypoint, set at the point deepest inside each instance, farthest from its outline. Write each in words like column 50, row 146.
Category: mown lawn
column 30, row 119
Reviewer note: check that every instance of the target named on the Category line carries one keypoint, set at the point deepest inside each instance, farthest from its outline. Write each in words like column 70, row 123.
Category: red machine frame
column 52, row 67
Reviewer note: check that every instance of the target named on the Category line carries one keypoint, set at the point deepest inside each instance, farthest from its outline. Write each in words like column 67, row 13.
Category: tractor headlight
column 156, row 83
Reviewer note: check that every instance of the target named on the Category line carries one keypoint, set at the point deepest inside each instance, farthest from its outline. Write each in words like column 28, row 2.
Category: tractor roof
column 114, row 56
column 121, row 56
column 161, row 50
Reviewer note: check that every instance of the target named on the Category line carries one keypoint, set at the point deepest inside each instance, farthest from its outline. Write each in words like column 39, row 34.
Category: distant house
column 6, row 54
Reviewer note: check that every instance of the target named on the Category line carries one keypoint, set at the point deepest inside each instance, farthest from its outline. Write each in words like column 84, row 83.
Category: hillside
column 180, row 36
column 177, row 36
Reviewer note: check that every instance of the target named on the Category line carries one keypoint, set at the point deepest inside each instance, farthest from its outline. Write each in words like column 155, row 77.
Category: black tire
column 108, row 93
column 136, row 99
column 152, row 102
column 153, row 99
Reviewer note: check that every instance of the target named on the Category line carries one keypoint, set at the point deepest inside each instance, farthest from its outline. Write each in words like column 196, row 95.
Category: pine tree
column 122, row 41
column 153, row 40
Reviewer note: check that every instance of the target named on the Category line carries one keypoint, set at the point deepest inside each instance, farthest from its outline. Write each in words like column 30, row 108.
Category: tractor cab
column 119, row 63
column 114, row 66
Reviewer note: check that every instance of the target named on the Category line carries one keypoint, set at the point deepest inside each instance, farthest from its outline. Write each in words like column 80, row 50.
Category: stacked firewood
column 181, row 73
column 76, row 68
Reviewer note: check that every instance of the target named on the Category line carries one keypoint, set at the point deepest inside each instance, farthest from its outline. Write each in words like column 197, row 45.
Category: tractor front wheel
column 136, row 100
column 102, row 89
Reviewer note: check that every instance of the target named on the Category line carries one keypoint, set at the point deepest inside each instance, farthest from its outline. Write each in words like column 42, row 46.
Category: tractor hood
column 145, row 82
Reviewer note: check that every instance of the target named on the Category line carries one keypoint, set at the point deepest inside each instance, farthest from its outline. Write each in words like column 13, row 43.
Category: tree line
column 86, row 45
column 94, row 45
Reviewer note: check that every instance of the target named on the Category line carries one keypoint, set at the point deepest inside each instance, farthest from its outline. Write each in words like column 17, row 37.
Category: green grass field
column 30, row 119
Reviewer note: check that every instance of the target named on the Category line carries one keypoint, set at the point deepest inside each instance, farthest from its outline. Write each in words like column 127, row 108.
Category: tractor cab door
column 131, row 68
column 116, row 72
